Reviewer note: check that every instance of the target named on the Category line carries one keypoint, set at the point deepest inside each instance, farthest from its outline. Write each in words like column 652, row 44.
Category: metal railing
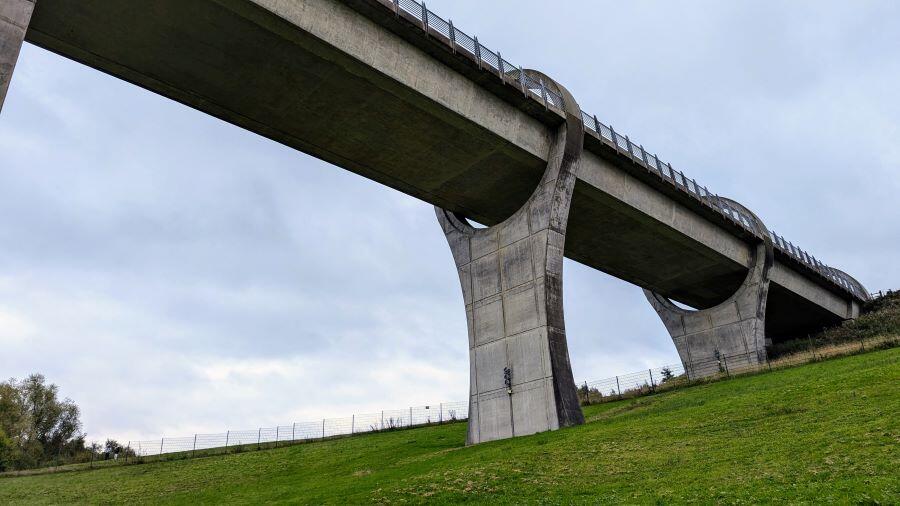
column 460, row 42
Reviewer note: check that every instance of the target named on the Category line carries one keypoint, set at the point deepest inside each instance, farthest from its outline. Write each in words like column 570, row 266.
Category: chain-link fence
column 461, row 43
column 300, row 432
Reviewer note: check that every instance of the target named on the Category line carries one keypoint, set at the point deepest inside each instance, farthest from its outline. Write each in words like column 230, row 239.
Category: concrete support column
column 511, row 276
column 14, row 18
column 731, row 335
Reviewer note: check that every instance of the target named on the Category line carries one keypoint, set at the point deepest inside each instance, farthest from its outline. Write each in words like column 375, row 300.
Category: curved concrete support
column 511, row 276
column 730, row 335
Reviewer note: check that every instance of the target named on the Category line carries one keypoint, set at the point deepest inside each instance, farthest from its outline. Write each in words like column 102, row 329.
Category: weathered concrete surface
column 731, row 334
column 511, row 276
column 14, row 18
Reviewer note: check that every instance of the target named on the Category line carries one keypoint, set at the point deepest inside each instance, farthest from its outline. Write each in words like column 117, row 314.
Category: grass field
column 820, row 433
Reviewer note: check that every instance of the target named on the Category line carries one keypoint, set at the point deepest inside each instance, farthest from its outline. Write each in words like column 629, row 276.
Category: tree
column 37, row 427
column 667, row 374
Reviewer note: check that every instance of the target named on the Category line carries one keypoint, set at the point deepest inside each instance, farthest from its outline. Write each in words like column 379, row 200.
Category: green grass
column 821, row 433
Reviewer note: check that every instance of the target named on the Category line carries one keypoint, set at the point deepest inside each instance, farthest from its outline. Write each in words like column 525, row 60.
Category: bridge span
column 395, row 93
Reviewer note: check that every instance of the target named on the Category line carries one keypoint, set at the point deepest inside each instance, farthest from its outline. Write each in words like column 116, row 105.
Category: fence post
column 352, row 424
column 277, row 430
column 382, row 419
column 441, row 414
column 194, row 449
column 161, row 447
column 618, row 387
column 410, row 417
column 258, row 437
column 293, row 432
column 522, row 81
column 452, row 36
column 812, row 349
column 725, row 362
column 652, row 386
column 227, row 435
column 126, row 451
column 477, row 51
column 323, row 429
column 544, row 93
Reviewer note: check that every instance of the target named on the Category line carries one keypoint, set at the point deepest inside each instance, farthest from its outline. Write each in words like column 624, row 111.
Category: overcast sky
column 156, row 263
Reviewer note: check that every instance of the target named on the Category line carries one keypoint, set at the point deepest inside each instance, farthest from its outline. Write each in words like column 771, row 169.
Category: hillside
column 823, row 432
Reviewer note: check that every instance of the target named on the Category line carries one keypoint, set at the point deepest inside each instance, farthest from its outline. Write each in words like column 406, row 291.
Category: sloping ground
column 824, row 432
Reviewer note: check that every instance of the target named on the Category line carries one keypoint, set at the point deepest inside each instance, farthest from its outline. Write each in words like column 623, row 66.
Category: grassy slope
column 824, row 432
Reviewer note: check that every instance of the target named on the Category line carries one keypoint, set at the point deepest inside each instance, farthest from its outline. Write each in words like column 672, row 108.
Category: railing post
column 597, row 126
column 659, row 167
column 425, row 18
column 477, row 51
column 652, row 385
column 544, row 93
column 628, row 143
column 612, row 135
column 452, row 36
column 522, row 81
column 397, row 7
column 619, row 388
column 644, row 157
column 672, row 174
column 500, row 66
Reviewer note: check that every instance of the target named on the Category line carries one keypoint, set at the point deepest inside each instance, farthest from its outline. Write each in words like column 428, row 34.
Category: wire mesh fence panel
column 412, row 7
column 489, row 57
column 511, row 71
column 438, row 24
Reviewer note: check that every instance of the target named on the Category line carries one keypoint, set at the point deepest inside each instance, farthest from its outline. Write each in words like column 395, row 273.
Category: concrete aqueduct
column 397, row 94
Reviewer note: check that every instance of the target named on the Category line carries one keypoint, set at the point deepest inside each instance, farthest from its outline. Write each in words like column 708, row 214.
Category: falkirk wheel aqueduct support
column 511, row 273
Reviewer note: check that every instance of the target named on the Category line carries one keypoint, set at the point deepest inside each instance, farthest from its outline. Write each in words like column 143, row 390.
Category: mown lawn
column 821, row 433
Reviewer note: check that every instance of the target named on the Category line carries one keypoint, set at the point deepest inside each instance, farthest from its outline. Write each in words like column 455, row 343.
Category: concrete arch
column 511, row 276
column 731, row 331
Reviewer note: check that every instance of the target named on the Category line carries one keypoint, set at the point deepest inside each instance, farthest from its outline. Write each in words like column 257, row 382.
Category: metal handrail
column 491, row 61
